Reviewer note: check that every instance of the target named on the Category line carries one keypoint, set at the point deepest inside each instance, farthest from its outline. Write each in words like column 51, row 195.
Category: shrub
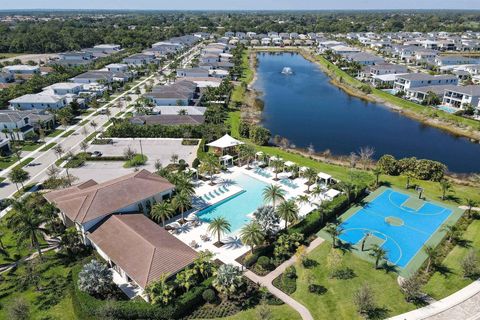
column 260, row 135
column 469, row 265
column 136, row 161
column 364, row 300
column 264, row 262
column 316, row 288
column 343, row 273
column 18, row 309
column 244, row 129
column 195, row 163
column 209, row 296
column 291, row 272
column 95, row 279
column 102, row 141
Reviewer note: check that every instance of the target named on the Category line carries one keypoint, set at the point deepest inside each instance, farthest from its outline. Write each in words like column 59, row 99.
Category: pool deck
column 233, row 247
column 435, row 238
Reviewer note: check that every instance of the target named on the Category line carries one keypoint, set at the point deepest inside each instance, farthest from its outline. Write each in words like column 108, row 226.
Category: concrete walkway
column 463, row 304
column 266, row 281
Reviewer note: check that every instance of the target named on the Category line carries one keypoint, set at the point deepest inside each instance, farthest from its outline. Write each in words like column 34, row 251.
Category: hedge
column 87, row 307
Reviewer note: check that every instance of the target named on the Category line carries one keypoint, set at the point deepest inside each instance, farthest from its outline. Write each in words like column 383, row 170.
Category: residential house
column 462, row 96
column 454, row 60
column 74, row 58
column 180, row 93
column 6, row 77
column 414, row 80
column 192, row 72
column 22, row 69
column 117, row 67
column 95, row 76
column 419, row 94
column 343, row 49
column 364, row 58
column 14, row 126
column 108, row 48
column 38, row 101
column 140, row 59
column 175, row 110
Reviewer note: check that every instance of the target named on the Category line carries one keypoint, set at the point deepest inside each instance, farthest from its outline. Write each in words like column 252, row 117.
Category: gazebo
column 324, row 178
column 225, row 142
column 226, row 159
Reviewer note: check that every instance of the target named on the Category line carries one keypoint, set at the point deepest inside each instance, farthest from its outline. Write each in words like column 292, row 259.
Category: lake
column 307, row 109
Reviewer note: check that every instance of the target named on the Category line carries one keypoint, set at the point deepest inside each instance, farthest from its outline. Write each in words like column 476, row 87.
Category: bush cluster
column 422, row 169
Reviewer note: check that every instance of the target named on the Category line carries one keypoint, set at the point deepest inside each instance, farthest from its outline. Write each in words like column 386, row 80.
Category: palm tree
column 288, row 211
column 365, row 240
column 209, row 166
column 431, row 257
column 311, row 176
column 445, row 186
column 18, row 175
column 470, row 204
column 377, row 172
column 252, row 234
column 277, row 165
column 451, row 232
column 219, row 225
column 162, row 211
column 334, row 230
column 409, row 174
column 378, row 253
column 303, row 199
column 182, row 201
column 273, row 193
column 94, row 125
column 183, row 184
column 348, row 188
column 159, row 291
column 27, row 224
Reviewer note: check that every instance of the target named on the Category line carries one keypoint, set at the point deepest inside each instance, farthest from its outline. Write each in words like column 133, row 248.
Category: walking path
column 266, row 281
column 463, row 304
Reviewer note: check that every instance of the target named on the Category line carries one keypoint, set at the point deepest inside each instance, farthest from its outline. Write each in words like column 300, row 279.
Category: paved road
column 43, row 160
column 266, row 281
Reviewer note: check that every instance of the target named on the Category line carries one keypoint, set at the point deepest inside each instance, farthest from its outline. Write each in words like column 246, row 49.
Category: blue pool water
column 401, row 242
column 236, row 208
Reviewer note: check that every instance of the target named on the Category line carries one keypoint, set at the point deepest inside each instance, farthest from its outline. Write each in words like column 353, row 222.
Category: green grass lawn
column 48, row 146
column 55, row 133
column 337, row 302
column 24, row 162
column 282, row 312
column 6, row 162
column 68, row 133
column 31, row 146
column 442, row 285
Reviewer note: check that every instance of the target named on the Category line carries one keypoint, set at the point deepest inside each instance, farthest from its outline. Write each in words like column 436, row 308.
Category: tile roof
column 90, row 200
column 141, row 248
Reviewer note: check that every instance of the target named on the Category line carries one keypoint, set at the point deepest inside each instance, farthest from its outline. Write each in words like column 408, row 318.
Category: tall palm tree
column 184, row 184
column 277, row 167
column 209, row 166
column 378, row 253
column 252, row 234
column 431, row 257
column 303, row 199
column 470, row 204
column 348, row 188
column 219, row 225
column 334, row 230
column 445, row 186
column 451, row 232
column 162, row 211
column 273, row 193
column 182, row 201
column 288, row 211
column 27, row 224
column 377, row 172
column 311, row 176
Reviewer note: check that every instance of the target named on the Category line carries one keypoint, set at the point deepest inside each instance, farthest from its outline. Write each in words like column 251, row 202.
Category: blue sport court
column 401, row 224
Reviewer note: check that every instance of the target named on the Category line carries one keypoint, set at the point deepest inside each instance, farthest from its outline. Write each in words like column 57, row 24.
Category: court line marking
column 387, row 238
column 413, row 211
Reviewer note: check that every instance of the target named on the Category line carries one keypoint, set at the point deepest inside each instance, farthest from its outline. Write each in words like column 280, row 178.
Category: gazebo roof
column 324, row 176
column 226, row 157
column 289, row 164
column 332, row 193
column 225, row 142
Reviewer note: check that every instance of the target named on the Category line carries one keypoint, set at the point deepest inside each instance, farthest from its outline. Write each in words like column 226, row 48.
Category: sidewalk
column 266, row 281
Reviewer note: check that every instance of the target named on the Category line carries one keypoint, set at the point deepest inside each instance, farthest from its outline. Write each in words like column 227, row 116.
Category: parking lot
column 154, row 149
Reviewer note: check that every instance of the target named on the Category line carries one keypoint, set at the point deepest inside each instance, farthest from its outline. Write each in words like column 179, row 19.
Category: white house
column 38, row 101
column 22, row 69
column 364, row 58
column 117, row 67
column 108, row 48
column 94, row 77
column 192, row 72
column 413, row 80
column 64, row 88
column 180, row 93
column 459, row 96
column 14, row 126
column 6, row 77
column 453, row 60
column 140, row 59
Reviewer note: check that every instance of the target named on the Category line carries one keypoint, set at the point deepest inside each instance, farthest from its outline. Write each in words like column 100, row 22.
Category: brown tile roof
column 90, row 200
column 141, row 248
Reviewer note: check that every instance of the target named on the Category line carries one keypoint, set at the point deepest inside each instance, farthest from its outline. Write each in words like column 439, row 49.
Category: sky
column 240, row 4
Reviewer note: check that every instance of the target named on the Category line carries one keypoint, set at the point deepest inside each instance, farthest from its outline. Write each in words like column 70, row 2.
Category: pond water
column 307, row 109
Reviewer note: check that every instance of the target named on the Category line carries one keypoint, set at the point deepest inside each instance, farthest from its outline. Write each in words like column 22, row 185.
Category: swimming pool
column 401, row 225
column 447, row 109
column 237, row 208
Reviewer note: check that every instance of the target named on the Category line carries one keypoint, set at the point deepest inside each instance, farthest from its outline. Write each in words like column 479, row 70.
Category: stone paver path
column 266, row 281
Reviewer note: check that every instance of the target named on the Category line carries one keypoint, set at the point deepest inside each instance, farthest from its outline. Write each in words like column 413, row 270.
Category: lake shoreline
column 474, row 136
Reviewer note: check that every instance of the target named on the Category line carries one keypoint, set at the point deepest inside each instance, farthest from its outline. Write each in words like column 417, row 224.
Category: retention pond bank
column 306, row 108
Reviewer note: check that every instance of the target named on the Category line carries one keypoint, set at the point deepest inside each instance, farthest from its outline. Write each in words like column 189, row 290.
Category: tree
column 162, row 211
column 451, row 232
column 32, row 276
column 273, row 193
column 94, row 125
column 209, row 166
column 432, row 256
column 96, row 279
column 18, row 175
column 364, row 300
column 334, row 230
column 388, row 165
column 71, row 241
column 185, row 279
column 311, row 176
column 252, row 234
column 260, row 135
column 27, row 224
column 348, row 188
column 377, row 172
column 84, row 146
column 366, row 154
column 378, row 253
column 365, row 240
column 446, row 186
column 288, row 211
column 469, row 264
column 182, row 201
column 277, row 165
column 59, row 151
column 247, row 153
column 411, row 288
column 202, row 264
column 267, row 218
column 18, row 309
column 159, row 291
column 470, row 204
column 228, row 278
column 219, row 225
column 174, row 158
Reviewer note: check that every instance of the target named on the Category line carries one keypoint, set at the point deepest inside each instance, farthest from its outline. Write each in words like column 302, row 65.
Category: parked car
column 96, row 154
